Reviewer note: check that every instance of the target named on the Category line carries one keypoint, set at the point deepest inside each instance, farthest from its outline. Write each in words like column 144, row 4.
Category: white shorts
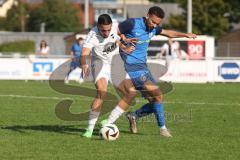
column 103, row 71
column 115, row 72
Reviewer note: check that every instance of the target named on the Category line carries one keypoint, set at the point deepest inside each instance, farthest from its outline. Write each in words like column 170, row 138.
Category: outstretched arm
column 175, row 34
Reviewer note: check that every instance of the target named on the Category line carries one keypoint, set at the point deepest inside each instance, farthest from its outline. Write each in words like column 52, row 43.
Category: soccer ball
column 109, row 132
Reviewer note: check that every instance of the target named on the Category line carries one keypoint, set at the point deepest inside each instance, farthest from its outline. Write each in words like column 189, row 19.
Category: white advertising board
column 185, row 71
column 31, row 69
column 226, row 71
column 179, row 71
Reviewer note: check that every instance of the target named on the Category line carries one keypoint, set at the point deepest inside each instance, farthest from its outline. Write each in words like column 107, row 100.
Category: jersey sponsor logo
column 137, row 34
column 109, row 47
column 42, row 68
column 229, row 70
column 141, row 42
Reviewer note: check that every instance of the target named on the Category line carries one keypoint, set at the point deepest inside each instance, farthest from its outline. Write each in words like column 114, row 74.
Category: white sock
column 115, row 114
column 93, row 117
column 163, row 127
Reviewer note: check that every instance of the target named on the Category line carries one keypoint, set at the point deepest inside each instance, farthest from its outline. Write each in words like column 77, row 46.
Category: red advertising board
column 196, row 49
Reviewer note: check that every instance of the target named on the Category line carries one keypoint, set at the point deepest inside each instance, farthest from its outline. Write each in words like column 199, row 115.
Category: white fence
column 179, row 71
column 202, row 71
column 31, row 68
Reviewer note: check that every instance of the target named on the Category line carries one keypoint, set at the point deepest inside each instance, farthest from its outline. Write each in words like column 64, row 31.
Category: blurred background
column 212, row 57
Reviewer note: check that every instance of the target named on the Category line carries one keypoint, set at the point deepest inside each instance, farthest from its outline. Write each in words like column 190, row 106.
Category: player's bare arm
column 126, row 49
column 72, row 55
column 85, row 53
column 123, row 40
column 176, row 34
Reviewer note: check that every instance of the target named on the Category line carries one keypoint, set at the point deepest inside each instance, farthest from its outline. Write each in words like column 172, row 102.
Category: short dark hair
column 157, row 11
column 80, row 39
column 104, row 19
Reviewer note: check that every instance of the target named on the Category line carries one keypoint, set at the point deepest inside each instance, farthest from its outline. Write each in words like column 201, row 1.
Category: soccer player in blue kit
column 142, row 30
column 76, row 51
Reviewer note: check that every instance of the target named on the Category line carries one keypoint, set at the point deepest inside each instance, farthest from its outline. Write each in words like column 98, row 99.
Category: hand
column 131, row 40
column 85, row 70
column 129, row 49
column 191, row 35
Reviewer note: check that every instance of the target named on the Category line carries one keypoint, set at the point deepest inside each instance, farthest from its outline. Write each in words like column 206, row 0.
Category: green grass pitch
column 204, row 120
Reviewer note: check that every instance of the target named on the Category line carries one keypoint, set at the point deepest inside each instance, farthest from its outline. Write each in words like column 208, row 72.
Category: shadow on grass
column 128, row 132
column 61, row 129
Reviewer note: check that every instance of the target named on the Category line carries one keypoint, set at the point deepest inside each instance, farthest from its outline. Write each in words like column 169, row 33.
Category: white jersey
column 102, row 48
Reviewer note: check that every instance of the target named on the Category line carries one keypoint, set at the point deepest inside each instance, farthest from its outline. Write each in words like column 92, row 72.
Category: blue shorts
column 75, row 63
column 140, row 75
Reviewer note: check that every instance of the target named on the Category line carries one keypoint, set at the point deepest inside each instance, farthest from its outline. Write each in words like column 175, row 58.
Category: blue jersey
column 137, row 28
column 135, row 62
column 77, row 50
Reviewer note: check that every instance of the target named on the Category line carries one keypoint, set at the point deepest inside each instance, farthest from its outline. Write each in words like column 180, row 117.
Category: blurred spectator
column 43, row 48
column 172, row 50
column 168, row 50
column 181, row 54
column 76, row 52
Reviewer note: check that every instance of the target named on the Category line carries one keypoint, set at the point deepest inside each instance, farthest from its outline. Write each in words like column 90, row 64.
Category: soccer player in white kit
column 104, row 42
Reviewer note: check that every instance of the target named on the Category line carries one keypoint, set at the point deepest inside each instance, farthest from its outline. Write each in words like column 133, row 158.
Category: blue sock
column 146, row 109
column 159, row 113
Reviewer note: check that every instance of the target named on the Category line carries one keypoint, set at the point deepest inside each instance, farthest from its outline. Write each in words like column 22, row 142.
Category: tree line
column 214, row 17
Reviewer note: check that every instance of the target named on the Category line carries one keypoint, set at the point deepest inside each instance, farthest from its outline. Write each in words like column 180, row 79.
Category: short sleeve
column 126, row 26
column 114, row 34
column 89, row 41
column 159, row 30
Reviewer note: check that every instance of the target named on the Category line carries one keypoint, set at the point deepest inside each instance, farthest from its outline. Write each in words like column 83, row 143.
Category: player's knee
column 150, row 99
column 96, row 108
column 131, row 94
column 158, row 98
